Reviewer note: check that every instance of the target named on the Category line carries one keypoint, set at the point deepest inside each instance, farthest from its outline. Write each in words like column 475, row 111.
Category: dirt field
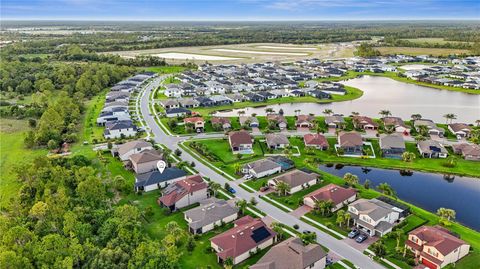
column 420, row 51
column 247, row 53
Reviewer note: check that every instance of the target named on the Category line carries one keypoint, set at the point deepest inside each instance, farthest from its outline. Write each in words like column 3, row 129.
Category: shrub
column 296, row 227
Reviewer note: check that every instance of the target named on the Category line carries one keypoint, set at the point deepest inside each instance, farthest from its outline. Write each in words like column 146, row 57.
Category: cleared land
column 287, row 48
column 262, row 52
column 193, row 57
column 420, row 51
column 432, row 40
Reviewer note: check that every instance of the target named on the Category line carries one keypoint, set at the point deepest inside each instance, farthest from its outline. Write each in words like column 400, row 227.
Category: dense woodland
column 65, row 217
column 135, row 36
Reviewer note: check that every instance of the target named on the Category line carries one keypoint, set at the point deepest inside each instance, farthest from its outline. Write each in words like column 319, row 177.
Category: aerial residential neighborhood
column 240, row 134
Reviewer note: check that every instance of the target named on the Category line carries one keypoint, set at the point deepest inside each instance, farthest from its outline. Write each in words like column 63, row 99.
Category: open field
column 245, row 53
column 432, row 40
column 13, row 153
column 420, row 51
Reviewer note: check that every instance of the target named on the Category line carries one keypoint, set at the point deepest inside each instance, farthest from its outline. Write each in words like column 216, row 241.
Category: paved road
column 337, row 246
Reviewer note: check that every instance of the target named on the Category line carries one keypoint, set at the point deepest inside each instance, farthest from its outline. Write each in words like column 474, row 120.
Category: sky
column 180, row 10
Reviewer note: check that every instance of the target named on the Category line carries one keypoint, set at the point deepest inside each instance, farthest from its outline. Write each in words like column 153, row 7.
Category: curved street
column 339, row 247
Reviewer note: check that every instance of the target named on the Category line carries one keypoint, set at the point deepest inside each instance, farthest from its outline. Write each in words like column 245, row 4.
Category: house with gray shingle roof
column 211, row 212
column 261, row 168
column 276, row 141
column 392, row 146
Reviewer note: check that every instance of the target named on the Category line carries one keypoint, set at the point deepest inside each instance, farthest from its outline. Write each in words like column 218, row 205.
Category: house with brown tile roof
column 197, row 123
column 364, row 123
column 293, row 254
column 248, row 236
column 241, row 142
column 317, row 141
column 338, row 195
column 184, row 192
column 220, row 123
column 460, row 129
column 469, row 152
column 145, row 161
column 351, row 143
column 396, row 124
column 435, row 246
column 304, row 121
column 296, row 179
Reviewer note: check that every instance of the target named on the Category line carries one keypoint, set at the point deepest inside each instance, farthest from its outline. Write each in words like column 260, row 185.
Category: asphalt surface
column 172, row 142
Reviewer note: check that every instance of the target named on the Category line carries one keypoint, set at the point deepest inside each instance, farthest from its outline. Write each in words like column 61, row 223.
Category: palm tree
column 398, row 236
column 408, row 156
column 328, row 111
column 242, row 205
column 477, row 122
column 446, row 213
column 449, row 117
column 241, row 112
column 282, row 188
column 350, row 179
column 237, row 167
column 386, row 189
column 323, row 206
column 416, row 116
column 354, row 113
column 340, row 217
column 228, row 263
column 423, row 130
column 269, row 110
column 214, row 186
column 347, row 218
column 385, row 113
column 278, row 228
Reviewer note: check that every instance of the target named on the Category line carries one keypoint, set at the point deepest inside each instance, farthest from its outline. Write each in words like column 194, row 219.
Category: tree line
column 64, row 217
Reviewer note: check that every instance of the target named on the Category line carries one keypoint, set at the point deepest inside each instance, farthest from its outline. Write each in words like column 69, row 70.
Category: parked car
column 248, row 176
column 361, row 238
column 353, row 233
column 232, row 190
column 264, row 189
column 306, row 232
column 329, row 261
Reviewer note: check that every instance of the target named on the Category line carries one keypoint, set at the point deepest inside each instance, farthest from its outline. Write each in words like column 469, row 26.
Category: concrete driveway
column 302, row 210
column 361, row 246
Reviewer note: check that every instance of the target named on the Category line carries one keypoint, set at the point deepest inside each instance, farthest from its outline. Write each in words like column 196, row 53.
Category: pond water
column 426, row 190
column 402, row 99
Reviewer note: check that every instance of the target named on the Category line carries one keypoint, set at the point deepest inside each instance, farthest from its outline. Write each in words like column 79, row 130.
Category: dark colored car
column 263, row 189
column 329, row 261
column 361, row 238
column 306, row 231
column 232, row 190
column 353, row 233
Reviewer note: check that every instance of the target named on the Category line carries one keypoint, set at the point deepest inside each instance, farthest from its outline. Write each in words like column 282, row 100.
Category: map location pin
column 161, row 165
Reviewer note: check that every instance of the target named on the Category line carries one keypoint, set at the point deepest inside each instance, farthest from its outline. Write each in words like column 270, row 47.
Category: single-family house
column 293, row 254
column 374, row 216
column 339, row 196
column 432, row 149
column 195, row 123
column 124, row 151
column 296, row 179
column 247, row 121
column 261, row 168
column 435, row 247
column 469, row 152
column 185, row 192
column 177, row 112
column 220, row 123
column 212, row 212
column 241, row 142
column 460, row 129
column 119, row 129
column 364, row 123
column 276, row 141
column 392, row 145
column 278, row 119
column 317, row 141
column 169, row 103
column 396, row 124
column 188, row 103
column 335, row 121
column 433, row 129
column 155, row 180
column 351, row 143
column 247, row 237
column 305, row 121
column 145, row 161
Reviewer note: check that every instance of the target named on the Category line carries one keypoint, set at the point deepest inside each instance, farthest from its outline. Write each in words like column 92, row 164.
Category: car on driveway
column 264, row 189
column 248, row 176
column 361, row 238
column 353, row 233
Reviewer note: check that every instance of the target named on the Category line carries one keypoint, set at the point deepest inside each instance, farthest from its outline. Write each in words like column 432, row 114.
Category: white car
column 248, row 176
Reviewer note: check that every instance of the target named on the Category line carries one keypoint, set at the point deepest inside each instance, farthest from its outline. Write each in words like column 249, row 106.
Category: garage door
column 429, row 264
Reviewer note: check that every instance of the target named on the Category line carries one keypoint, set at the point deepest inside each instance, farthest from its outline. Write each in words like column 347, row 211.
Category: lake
column 426, row 190
column 402, row 99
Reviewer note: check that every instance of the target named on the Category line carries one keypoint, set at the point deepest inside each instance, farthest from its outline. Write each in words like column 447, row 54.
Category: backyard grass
column 90, row 129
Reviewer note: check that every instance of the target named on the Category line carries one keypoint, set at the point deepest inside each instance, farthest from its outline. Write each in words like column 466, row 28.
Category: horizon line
column 236, row 20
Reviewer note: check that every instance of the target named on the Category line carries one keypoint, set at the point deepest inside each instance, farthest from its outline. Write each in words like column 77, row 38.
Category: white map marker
column 161, row 166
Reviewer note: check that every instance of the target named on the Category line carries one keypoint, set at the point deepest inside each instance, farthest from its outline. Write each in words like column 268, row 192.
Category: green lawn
column 13, row 153
column 91, row 131
column 170, row 69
